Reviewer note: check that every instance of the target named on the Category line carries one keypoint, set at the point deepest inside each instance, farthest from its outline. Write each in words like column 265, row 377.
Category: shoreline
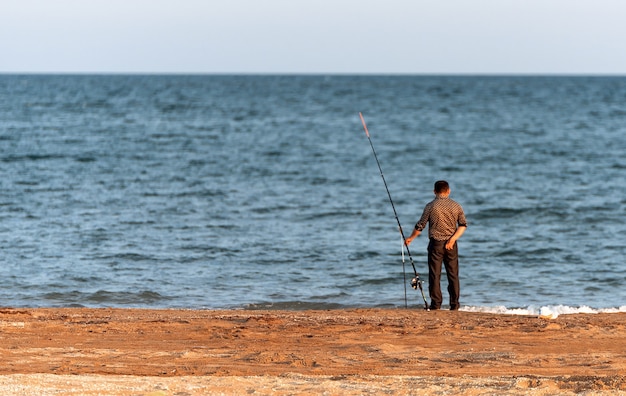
column 239, row 351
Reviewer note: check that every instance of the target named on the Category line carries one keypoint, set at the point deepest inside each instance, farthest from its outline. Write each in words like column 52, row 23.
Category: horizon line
column 338, row 74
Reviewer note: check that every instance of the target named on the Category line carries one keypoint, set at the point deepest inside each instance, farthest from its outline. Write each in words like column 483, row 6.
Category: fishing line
column 415, row 282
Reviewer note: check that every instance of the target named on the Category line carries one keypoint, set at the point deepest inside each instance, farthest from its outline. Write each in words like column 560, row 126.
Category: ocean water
column 263, row 192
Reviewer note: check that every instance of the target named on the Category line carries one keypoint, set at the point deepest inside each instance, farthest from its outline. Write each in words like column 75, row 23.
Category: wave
column 547, row 312
column 77, row 298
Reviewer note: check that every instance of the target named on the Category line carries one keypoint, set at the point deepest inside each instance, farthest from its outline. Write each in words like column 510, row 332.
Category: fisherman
column 446, row 223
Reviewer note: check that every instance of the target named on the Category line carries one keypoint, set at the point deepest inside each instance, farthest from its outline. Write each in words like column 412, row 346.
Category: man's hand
column 450, row 244
column 414, row 235
column 457, row 235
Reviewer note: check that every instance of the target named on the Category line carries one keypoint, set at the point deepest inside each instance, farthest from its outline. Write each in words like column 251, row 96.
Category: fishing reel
column 415, row 282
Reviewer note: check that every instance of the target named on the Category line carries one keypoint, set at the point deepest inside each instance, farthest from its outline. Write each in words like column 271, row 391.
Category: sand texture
column 82, row 351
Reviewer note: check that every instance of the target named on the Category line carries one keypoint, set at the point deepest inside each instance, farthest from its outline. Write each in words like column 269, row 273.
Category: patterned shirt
column 443, row 216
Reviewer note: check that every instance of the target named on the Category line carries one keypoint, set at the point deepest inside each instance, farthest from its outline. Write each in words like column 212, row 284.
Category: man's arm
column 419, row 226
column 413, row 235
column 459, row 231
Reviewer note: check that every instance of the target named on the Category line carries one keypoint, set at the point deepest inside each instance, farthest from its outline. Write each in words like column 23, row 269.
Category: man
column 446, row 223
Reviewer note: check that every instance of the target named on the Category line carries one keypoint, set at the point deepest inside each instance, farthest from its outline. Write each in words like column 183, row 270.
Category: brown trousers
column 438, row 254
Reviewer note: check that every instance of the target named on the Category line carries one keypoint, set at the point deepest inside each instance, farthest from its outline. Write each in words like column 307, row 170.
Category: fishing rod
column 415, row 282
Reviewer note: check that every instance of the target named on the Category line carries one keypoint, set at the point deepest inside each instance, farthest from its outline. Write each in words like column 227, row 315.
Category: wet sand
column 361, row 351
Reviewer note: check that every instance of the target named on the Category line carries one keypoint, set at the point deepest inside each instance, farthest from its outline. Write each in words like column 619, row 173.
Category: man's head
column 442, row 187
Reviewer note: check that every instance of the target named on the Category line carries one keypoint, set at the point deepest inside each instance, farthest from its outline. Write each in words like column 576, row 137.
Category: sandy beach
column 360, row 351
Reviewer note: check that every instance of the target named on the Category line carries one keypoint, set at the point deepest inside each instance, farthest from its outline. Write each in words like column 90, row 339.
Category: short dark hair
column 441, row 186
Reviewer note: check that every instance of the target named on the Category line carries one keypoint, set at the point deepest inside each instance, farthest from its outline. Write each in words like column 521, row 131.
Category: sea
column 263, row 192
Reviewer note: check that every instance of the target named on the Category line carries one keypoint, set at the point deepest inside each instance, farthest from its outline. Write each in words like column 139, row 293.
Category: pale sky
column 314, row 36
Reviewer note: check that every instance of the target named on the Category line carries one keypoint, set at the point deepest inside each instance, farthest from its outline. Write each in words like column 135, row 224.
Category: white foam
column 548, row 311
